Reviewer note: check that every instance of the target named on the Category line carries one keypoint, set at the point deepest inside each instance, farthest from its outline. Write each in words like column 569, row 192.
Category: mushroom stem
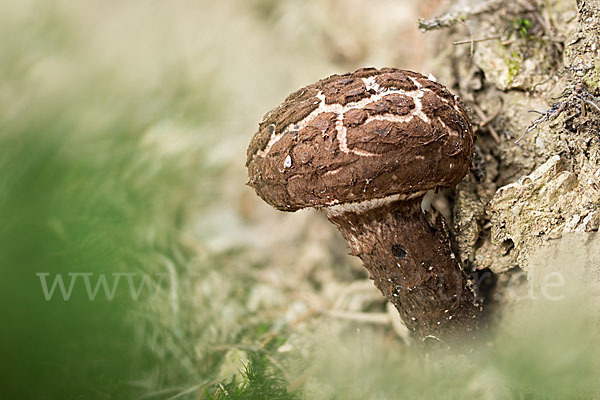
column 407, row 253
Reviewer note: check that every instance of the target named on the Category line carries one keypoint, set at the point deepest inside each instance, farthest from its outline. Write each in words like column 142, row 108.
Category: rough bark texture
column 544, row 190
column 409, row 258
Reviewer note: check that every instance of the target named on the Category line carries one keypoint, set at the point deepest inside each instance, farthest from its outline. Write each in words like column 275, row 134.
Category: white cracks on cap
column 342, row 138
column 451, row 132
column 363, row 206
column 333, row 172
column 456, row 99
column 371, row 84
column 275, row 137
column 339, row 110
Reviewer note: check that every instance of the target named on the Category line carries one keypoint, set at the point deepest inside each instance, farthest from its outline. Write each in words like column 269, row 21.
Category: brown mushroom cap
column 360, row 136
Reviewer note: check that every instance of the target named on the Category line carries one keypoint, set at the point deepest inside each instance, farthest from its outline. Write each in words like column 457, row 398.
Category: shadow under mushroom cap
column 360, row 136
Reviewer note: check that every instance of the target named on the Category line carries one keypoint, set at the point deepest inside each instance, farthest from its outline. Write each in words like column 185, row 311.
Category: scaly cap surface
column 360, row 136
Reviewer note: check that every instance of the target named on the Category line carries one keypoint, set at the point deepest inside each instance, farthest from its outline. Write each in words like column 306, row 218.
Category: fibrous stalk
column 407, row 253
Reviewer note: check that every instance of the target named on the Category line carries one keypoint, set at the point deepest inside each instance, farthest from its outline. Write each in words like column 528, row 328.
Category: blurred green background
column 123, row 129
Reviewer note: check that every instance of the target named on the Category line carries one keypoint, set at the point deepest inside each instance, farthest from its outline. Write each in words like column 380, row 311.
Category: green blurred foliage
column 259, row 379
column 83, row 190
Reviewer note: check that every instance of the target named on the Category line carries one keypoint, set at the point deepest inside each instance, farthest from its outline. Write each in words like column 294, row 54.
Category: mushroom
column 366, row 147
